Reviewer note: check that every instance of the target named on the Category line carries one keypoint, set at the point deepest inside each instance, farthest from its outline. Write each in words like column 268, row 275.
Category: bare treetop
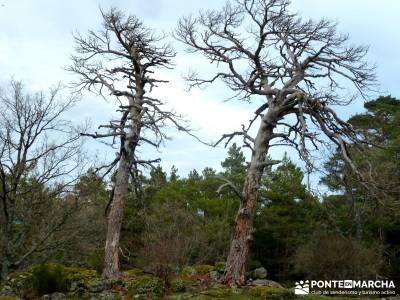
column 122, row 47
column 120, row 60
column 284, row 53
column 301, row 66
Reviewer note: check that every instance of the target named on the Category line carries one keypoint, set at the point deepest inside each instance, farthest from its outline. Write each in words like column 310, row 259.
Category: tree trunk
column 121, row 189
column 235, row 271
column 5, row 261
column 114, row 219
column 8, row 212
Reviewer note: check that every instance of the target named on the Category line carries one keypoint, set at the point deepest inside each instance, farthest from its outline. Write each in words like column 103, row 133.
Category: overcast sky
column 36, row 41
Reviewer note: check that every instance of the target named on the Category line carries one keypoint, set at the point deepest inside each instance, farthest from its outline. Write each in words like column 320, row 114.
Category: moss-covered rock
column 18, row 284
column 267, row 283
column 51, row 278
column 55, row 296
column 74, row 274
column 147, row 286
column 259, row 273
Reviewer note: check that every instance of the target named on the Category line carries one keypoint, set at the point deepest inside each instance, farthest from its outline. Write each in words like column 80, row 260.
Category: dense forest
column 144, row 231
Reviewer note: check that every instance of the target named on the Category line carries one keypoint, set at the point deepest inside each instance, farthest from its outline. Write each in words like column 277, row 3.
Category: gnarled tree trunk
column 114, row 219
column 121, row 188
column 235, row 272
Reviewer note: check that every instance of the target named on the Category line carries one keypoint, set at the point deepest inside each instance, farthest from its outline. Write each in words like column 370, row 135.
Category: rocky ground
column 56, row 282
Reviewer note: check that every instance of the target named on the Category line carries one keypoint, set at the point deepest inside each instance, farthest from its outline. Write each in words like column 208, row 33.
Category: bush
column 220, row 266
column 146, row 285
column 178, row 286
column 329, row 256
column 49, row 279
column 203, row 269
column 188, row 271
column 170, row 239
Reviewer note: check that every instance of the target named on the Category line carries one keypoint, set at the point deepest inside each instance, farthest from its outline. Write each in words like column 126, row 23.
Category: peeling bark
column 235, row 272
column 114, row 220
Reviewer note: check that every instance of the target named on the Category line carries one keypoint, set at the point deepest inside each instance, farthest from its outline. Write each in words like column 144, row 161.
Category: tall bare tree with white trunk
column 120, row 61
column 299, row 70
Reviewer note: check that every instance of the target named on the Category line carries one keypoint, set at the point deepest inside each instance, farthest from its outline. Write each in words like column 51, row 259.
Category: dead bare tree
column 40, row 161
column 298, row 68
column 120, row 61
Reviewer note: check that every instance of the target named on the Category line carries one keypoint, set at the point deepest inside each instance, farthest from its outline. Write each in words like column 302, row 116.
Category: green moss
column 201, row 297
column 22, row 279
column 271, row 293
column 219, row 293
column 203, row 269
column 135, row 272
column 8, row 298
column 73, row 274
column 146, row 285
column 178, row 285
column 18, row 283
column 188, row 271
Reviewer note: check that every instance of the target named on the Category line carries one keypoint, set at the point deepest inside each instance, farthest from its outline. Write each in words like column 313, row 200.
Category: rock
column 54, row 296
column 214, row 275
column 265, row 282
column 260, row 273
column 77, row 286
column 108, row 295
column 17, row 284
column 96, row 286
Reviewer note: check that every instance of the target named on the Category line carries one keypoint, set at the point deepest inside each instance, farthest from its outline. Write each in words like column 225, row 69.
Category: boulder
column 259, row 273
column 265, row 282
column 54, row 296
